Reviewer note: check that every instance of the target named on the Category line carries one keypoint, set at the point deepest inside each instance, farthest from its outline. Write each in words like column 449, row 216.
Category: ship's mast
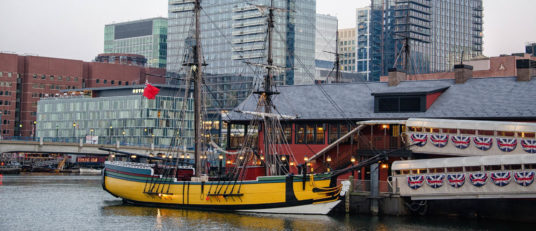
column 197, row 89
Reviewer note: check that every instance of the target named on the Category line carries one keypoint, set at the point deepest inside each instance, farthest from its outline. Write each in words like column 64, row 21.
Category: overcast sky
column 74, row 29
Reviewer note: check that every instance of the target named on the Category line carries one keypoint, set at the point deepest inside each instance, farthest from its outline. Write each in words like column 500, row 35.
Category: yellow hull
column 267, row 192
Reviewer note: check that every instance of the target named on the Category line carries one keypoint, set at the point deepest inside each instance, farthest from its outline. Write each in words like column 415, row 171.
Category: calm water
column 73, row 202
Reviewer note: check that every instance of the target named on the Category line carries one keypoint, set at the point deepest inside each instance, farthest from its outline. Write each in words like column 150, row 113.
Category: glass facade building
column 147, row 37
column 325, row 41
column 347, row 49
column 117, row 114
column 438, row 32
column 363, row 41
column 234, row 43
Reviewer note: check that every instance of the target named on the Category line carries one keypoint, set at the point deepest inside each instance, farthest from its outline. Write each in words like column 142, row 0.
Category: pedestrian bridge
column 18, row 146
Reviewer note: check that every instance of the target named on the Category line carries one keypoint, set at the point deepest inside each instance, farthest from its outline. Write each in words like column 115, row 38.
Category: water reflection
column 191, row 219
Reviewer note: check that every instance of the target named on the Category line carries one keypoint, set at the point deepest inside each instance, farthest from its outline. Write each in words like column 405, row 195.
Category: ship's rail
column 131, row 164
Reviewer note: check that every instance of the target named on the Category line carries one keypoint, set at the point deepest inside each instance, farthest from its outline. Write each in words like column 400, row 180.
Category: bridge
column 80, row 148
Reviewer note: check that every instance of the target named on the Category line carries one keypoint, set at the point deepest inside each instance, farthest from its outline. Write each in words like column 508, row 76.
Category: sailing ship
column 178, row 185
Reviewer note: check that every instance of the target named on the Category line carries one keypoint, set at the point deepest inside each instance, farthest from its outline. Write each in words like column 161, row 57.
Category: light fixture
column 188, row 156
column 291, row 163
column 385, row 166
column 305, row 158
column 262, row 157
column 182, row 156
column 133, row 156
column 329, row 159
column 283, row 158
column 228, row 162
column 352, row 160
column 170, row 156
column 112, row 155
column 241, row 157
column 220, row 157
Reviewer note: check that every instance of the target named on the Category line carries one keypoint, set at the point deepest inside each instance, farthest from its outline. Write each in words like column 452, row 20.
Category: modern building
column 439, row 34
column 26, row 79
column 118, row 58
column 530, row 48
column 147, row 37
column 234, row 44
column 325, row 44
column 121, row 114
column 363, row 41
column 347, row 49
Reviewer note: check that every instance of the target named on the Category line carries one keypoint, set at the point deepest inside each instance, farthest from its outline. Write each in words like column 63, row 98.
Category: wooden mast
column 197, row 90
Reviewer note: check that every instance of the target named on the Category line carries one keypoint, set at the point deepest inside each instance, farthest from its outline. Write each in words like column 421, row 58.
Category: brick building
column 501, row 66
column 26, row 79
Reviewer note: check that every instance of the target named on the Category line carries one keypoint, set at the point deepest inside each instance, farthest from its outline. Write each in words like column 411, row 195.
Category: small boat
column 11, row 167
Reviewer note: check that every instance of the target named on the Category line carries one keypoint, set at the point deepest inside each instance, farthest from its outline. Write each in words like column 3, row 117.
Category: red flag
column 150, row 92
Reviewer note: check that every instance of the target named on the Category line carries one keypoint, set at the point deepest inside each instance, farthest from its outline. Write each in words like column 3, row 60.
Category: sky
column 74, row 29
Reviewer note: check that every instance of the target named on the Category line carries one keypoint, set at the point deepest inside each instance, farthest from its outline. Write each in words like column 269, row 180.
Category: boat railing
column 364, row 186
column 131, row 164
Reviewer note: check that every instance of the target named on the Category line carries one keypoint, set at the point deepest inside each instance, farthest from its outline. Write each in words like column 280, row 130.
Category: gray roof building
column 502, row 98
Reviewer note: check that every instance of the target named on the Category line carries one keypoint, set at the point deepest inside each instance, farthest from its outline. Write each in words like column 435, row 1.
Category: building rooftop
column 478, row 98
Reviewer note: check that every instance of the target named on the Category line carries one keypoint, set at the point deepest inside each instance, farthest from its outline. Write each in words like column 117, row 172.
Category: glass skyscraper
column 117, row 114
column 438, row 33
column 234, row 43
column 145, row 37
column 363, row 41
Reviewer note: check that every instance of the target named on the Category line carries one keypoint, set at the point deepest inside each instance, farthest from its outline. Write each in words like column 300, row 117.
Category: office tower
column 437, row 34
column 234, row 45
column 145, row 37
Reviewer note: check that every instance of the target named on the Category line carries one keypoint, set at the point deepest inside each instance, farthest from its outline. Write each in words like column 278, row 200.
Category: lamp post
column 74, row 133
column 91, row 134
column 329, row 161
column 221, row 162
column 110, row 134
column 353, row 162
column 34, row 129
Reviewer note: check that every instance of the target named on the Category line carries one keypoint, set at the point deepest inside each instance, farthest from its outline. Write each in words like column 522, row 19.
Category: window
column 119, row 83
column 512, row 167
column 68, row 78
column 492, row 167
column 455, row 169
column 34, row 76
column 76, row 79
column 287, row 132
column 9, row 74
column 43, row 76
column 97, row 81
column 51, row 77
column 319, row 134
column 105, row 81
column 112, row 82
column 300, row 134
column 473, row 168
column 60, row 78
column 436, row 170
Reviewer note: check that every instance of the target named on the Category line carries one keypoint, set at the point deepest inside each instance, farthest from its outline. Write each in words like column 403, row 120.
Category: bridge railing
column 76, row 140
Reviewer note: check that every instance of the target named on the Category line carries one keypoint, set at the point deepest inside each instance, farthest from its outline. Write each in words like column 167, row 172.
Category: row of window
column 466, row 169
column 8, row 74
column 7, row 93
column 52, row 86
column 473, row 132
column 105, row 81
column 6, row 84
column 59, row 77
column 5, row 102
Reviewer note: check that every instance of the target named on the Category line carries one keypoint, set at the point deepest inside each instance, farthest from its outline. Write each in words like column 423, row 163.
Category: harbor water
column 77, row 202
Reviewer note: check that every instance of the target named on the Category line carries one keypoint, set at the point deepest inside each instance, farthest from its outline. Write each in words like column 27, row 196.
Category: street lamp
column 34, row 128
column 221, row 162
column 329, row 161
column 124, row 137
column 74, row 133
column 110, row 134
column 353, row 162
